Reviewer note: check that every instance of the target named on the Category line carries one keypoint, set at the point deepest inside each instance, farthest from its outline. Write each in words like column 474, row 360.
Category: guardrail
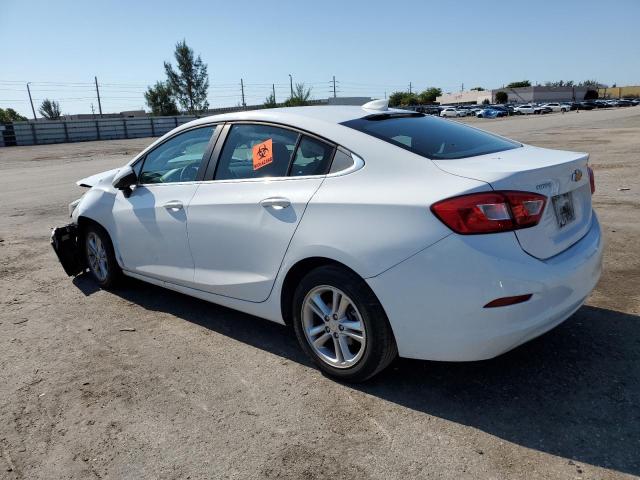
column 63, row 131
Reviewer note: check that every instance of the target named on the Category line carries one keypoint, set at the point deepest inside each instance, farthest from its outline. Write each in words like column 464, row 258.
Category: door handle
column 173, row 205
column 277, row 203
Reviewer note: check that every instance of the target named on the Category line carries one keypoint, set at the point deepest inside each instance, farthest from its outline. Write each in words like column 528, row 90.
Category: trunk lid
column 559, row 175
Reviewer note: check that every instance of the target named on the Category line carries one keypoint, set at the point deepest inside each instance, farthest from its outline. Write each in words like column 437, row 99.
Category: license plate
column 563, row 206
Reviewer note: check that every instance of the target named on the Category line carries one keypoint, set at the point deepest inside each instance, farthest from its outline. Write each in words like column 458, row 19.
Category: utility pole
column 273, row 90
column 410, row 87
column 244, row 104
column 98, row 92
column 291, row 84
column 462, row 87
column 334, row 86
column 31, row 100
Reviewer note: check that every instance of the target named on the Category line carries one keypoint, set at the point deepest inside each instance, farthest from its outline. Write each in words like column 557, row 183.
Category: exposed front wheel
column 100, row 256
column 341, row 325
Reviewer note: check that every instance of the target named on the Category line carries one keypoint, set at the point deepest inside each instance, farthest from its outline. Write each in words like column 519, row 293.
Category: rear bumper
column 65, row 243
column 434, row 300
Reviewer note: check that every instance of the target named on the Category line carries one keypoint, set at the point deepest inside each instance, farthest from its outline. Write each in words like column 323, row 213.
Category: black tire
column 380, row 347
column 113, row 271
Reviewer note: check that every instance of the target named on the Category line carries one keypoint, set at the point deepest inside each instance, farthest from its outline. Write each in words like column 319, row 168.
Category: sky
column 372, row 47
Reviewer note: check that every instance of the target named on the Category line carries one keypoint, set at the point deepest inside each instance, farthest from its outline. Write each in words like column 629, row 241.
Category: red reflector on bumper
column 504, row 301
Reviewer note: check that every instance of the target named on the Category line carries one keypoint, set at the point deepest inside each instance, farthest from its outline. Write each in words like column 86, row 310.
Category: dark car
column 625, row 103
column 502, row 108
column 587, row 105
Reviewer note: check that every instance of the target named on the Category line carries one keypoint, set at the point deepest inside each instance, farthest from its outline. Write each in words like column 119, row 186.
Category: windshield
column 431, row 137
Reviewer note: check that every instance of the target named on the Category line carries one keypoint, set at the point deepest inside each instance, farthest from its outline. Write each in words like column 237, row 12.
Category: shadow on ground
column 574, row 392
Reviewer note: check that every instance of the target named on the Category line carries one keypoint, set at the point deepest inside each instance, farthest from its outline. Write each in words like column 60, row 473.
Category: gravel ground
column 200, row 391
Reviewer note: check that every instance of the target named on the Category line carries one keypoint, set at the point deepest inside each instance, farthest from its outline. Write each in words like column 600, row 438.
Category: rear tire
column 100, row 257
column 341, row 325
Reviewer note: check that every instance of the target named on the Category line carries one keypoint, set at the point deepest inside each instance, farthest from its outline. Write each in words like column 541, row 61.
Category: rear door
column 242, row 219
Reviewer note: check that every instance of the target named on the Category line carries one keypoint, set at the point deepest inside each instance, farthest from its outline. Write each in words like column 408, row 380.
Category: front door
column 151, row 224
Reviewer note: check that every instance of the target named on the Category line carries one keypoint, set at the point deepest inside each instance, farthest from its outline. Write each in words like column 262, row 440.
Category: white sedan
column 524, row 109
column 557, row 107
column 372, row 232
column 452, row 112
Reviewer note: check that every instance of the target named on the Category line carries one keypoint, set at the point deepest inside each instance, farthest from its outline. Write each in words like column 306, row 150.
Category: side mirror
column 124, row 179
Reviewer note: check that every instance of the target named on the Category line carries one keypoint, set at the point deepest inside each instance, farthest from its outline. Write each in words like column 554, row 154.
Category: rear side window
column 312, row 158
column 431, row 137
column 255, row 151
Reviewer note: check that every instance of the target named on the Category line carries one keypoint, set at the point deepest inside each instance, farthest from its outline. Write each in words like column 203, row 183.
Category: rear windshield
column 431, row 137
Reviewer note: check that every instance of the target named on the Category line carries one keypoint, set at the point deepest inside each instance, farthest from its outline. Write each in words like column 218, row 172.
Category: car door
column 242, row 220
column 151, row 222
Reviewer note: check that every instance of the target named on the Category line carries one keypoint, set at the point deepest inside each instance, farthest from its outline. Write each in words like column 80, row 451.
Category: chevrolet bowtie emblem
column 576, row 176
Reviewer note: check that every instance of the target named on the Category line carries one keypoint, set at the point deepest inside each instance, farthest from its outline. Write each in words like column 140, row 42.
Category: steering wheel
column 189, row 173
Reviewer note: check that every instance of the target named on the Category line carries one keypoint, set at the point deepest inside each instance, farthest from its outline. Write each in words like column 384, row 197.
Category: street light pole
column 31, row 100
column 291, row 84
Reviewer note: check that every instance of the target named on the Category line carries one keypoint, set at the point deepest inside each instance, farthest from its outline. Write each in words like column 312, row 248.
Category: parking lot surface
column 144, row 383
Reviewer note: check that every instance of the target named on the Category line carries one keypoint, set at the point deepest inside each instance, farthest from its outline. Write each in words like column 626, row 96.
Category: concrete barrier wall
column 62, row 131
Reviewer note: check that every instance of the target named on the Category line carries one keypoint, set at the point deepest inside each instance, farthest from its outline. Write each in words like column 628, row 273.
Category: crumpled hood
column 97, row 178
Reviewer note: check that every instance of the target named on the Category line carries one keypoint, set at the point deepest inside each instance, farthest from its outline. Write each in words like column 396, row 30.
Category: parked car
column 587, row 105
column 624, row 103
column 526, row 109
column 451, row 112
column 490, row 112
column 429, row 109
column 372, row 232
column 557, row 107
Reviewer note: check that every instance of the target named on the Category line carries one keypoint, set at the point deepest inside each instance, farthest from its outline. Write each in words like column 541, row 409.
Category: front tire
column 100, row 257
column 341, row 325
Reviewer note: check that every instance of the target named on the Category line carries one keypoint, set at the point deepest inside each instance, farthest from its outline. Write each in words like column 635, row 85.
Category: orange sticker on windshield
column 262, row 154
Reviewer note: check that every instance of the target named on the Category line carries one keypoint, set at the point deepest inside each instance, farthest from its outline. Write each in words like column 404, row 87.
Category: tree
column 10, row 115
column 190, row 83
column 50, row 109
column 592, row 84
column 160, row 99
column 396, row 98
column 591, row 94
column 429, row 95
column 520, row 84
column 559, row 83
column 270, row 101
column 486, row 101
column 502, row 97
column 478, row 89
column 300, row 96
column 402, row 99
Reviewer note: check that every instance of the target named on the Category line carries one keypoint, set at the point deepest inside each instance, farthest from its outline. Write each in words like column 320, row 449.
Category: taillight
column 592, row 180
column 490, row 212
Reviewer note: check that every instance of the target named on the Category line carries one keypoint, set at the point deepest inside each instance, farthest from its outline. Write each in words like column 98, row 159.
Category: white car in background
column 372, row 232
column 557, row 107
column 524, row 109
column 451, row 112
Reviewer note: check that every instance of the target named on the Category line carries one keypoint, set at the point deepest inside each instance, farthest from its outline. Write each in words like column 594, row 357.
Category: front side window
column 431, row 137
column 255, row 151
column 177, row 159
column 312, row 158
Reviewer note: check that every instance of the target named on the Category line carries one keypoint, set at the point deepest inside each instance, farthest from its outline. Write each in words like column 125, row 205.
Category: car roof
column 321, row 120
column 310, row 117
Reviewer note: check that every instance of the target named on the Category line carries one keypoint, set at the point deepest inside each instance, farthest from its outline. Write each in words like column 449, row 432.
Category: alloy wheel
column 97, row 256
column 333, row 326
